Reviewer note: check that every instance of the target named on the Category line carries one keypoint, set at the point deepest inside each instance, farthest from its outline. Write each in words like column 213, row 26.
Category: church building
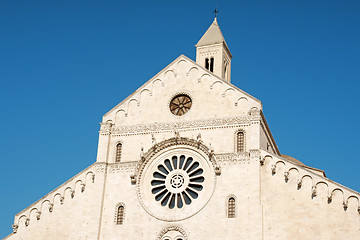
column 190, row 156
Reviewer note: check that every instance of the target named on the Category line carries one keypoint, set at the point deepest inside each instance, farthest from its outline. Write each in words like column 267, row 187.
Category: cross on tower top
column 216, row 12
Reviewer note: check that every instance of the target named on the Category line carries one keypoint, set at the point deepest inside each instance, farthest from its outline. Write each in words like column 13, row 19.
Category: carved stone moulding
column 171, row 229
column 233, row 158
column 156, row 127
column 121, row 167
column 176, row 141
column 173, row 205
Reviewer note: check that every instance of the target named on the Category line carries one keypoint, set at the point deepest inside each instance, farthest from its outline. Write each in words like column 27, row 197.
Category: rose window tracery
column 177, row 181
column 180, row 104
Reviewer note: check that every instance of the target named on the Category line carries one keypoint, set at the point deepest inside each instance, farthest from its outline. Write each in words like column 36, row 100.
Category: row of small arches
column 209, row 65
column 314, row 186
column 50, row 203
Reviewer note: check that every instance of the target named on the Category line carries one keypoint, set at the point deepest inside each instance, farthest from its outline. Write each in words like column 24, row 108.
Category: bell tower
column 213, row 53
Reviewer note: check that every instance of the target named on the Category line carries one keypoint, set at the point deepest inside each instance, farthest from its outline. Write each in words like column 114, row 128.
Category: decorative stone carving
column 255, row 114
column 217, row 171
column 142, row 154
column 286, row 175
column 165, row 150
column 172, row 228
column 38, row 214
column 51, row 207
column 121, row 167
column 105, row 128
column 233, row 158
column 93, row 178
column 100, row 168
column 262, row 161
column 27, row 221
column 198, row 138
column 359, row 210
column 273, row 169
column 299, row 183
column 174, row 142
column 72, row 193
column 82, row 187
column 313, row 191
column 133, row 179
column 177, row 134
column 15, row 228
column 211, row 152
column 218, row 122
column 329, row 198
column 254, row 153
column 153, row 139
column 345, row 205
column 61, row 200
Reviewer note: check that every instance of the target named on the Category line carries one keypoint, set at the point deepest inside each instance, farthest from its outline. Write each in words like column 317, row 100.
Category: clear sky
column 64, row 64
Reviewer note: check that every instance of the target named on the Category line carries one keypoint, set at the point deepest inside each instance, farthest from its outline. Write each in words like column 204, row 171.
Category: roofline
column 324, row 177
column 269, row 131
column 138, row 89
column 165, row 68
column 54, row 190
column 223, row 80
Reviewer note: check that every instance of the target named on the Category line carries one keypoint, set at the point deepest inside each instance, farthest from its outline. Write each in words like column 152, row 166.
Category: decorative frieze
column 105, row 128
column 233, row 158
column 255, row 114
column 100, row 167
column 140, row 128
column 121, row 167
column 254, row 154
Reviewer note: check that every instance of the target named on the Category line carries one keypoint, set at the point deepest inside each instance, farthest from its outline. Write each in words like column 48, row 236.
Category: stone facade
column 163, row 176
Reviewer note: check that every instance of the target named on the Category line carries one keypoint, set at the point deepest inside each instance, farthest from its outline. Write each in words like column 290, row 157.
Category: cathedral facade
column 190, row 156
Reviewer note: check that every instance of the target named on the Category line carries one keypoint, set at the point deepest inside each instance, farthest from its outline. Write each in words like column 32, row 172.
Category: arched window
column 231, row 208
column 120, row 215
column 212, row 64
column 225, row 70
column 240, row 142
column 207, row 63
column 118, row 152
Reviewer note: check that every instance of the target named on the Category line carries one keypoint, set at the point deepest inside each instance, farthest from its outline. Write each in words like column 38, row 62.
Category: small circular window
column 177, row 181
column 180, row 104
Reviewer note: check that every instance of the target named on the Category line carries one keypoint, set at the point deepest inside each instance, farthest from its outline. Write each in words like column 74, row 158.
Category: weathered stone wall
column 299, row 204
column 69, row 212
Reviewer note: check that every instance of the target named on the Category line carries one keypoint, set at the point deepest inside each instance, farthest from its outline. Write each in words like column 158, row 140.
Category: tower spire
column 213, row 53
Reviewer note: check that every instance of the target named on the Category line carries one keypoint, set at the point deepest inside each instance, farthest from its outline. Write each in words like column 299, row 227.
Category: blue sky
column 64, row 64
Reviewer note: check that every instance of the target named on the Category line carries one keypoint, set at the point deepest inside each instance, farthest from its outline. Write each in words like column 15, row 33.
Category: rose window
column 180, row 104
column 177, row 181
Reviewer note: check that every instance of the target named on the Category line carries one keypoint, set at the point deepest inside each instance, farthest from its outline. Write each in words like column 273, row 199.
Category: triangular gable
column 182, row 75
